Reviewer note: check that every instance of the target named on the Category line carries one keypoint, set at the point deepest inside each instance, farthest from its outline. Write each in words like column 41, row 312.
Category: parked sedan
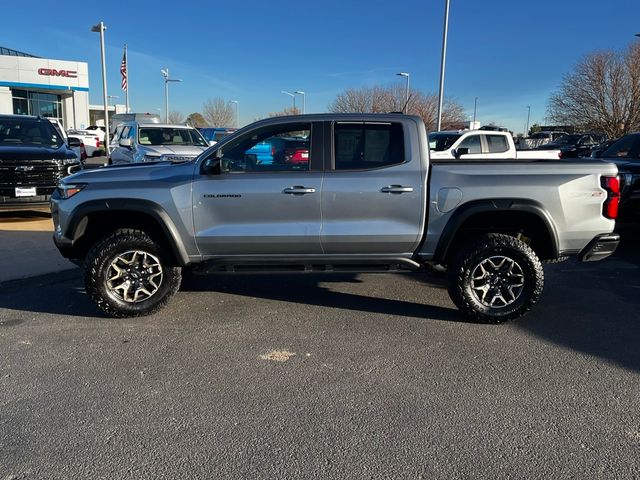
column 625, row 153
column 152, row 142
column 574, row 146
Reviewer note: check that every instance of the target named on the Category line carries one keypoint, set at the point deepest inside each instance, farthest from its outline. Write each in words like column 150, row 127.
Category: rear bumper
column 600, row 247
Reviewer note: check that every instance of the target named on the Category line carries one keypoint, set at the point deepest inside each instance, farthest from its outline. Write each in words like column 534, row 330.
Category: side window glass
column 497, row 144
column 472, row 142
column 361, row 146
column 280, row 148
column 125, row 133
column 116, row 136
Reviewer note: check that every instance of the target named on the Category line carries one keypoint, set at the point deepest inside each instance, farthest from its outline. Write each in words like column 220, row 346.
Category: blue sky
column 510, row 54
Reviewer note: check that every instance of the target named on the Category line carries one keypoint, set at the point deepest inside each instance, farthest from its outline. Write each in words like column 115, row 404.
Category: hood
column 134, row 172
column 175, row 149
column 26, row 153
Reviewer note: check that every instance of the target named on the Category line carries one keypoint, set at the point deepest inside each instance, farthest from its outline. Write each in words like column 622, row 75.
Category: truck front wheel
column 126, row 274
column 495, row 278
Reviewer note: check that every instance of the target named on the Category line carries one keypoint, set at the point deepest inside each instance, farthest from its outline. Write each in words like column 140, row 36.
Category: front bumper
column 600, row 247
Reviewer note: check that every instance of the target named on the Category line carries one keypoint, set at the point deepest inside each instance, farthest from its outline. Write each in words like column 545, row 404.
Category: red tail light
column 97, row 142
column 611, row 204
column 273, row 150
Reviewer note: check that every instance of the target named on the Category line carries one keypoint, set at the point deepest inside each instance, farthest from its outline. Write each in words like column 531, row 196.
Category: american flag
column 123, row 69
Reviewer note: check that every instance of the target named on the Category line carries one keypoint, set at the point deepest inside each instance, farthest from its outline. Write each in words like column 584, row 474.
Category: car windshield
column 567, row 140
column 171, row 136
column 442, row 141
column 627, row 147
column 27, row 131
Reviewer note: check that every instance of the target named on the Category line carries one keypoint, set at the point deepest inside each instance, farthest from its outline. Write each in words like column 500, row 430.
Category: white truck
column 481, row 145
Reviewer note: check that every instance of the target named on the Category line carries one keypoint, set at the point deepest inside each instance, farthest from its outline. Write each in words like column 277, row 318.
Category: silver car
column 151, row 142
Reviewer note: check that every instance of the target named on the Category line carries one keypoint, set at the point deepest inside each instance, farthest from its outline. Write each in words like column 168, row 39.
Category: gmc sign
column 52, row 72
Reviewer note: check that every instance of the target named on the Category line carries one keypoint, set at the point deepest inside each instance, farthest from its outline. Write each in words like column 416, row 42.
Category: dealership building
column 31, row 85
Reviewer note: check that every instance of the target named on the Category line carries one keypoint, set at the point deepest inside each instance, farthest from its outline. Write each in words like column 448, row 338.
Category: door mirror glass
column 212, row 165
column 125, row 142
column 74, row 142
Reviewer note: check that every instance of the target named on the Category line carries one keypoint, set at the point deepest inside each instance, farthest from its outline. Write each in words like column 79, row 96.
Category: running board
column 306, row 265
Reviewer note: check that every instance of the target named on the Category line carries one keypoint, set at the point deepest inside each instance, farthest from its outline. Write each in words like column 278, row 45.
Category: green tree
column 196, row 120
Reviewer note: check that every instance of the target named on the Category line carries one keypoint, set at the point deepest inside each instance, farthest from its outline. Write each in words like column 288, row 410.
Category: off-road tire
column 101, row 256
column 485, row 248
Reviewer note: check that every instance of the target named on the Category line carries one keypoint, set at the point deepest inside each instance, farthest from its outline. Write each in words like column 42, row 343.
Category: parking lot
column 345, row 376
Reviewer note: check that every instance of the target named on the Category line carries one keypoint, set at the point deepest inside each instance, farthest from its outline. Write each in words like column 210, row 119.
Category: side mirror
column 212, row 143
column 74, row 142
column 211, row 166
column 460, row 151
column 125, row 142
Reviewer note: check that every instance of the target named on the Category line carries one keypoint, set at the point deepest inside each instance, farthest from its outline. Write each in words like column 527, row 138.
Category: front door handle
column 298, row 190
column 396, row 189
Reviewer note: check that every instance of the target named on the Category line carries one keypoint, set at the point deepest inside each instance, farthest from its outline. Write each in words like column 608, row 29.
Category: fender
column 493, row 205
column 76, row 226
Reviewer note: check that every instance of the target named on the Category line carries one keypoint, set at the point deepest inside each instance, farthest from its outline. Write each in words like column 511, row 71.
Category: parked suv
column 575, row 145
column 34, row 157
column 151, row 142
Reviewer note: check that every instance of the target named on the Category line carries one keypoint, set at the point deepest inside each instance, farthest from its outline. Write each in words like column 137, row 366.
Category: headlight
column 70, row 161
column 68, row 190
column 151, row 158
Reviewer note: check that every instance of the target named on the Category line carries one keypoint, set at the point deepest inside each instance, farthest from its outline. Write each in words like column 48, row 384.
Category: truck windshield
column 28, row 131
column 439, row 141
column 171, row 136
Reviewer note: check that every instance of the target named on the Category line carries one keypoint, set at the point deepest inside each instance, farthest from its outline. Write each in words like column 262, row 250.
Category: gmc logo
column 52, row 72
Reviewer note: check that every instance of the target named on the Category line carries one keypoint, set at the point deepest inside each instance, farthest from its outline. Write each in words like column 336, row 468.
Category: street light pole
column 475, row 108
column 100, row 28
column 406, row 99
column 237, row 112
column 526, row 128
column 165, row 74
column 304, row 107
column 293, row 96
column 443, row 62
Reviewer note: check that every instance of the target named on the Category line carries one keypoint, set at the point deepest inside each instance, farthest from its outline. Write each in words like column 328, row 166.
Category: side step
column 306, row 265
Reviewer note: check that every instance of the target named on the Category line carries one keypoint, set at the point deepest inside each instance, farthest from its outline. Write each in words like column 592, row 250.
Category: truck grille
column 30, row 174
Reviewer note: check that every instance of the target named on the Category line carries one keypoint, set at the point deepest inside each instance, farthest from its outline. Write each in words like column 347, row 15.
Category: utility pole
column 100, row 28
column 443, row 62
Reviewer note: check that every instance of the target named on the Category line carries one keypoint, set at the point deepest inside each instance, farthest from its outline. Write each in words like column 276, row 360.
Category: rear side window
column 360, row 146
column 496, row 144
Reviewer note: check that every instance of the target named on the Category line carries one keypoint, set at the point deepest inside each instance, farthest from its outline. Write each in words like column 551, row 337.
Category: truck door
column 256, row 207
column 373, row 198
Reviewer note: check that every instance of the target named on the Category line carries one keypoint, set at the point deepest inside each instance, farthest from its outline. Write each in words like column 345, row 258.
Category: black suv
column 33, row 157
column 575, row 145
column 625, row 153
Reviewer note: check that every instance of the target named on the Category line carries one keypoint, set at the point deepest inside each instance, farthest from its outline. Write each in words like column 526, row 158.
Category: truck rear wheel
column 495, row 278
column 126, row 274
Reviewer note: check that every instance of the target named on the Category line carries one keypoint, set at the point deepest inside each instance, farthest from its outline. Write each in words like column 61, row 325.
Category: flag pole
column 126, row 96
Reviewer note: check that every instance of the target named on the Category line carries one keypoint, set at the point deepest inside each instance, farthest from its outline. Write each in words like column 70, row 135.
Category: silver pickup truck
column 334, row 193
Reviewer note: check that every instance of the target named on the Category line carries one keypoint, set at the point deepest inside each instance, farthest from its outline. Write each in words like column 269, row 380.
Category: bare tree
column 196, row 120
column 175, row 117
column 218, row 113
column 601, row 94
column 381, row 99
column 285, row 112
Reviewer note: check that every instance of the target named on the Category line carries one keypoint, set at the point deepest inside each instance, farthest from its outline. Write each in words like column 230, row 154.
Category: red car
column 296, row 155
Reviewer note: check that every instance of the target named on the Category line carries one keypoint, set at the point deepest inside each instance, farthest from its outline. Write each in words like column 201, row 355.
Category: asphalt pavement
column 314, row 376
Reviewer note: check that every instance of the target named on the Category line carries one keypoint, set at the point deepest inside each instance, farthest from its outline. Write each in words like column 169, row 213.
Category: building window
column 36, row 103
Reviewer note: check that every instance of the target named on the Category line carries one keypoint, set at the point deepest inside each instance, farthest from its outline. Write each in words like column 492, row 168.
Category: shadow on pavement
column 594, row 308
column 307, row 289
column 58, row 293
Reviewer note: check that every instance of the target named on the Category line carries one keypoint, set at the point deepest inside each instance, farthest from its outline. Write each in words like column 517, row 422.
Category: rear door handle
column 396, row 189
column 298, row 190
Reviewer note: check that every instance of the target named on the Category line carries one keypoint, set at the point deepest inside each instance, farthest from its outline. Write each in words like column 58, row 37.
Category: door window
column 472, row 142
column 361, row 146
column 279, row 148
column 496, row 144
